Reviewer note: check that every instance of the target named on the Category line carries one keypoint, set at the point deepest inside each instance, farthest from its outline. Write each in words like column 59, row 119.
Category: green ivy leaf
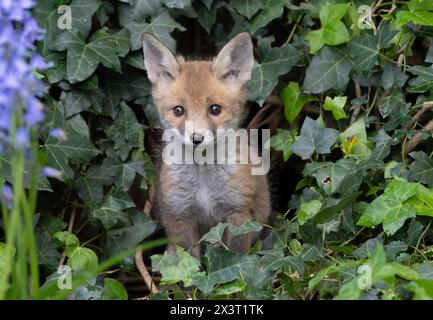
column 424, row 80
column 329, row 69
column 422, row 168
column 75, row 149
column 176, row 268
column 391, row 208
column 275, row 259
column 247, row 8
column 283, row 142
column 223, row 267
column 66, row 239
column 83, row 58
column 160, row 26
column 333, row 32
column 330, row 175
column 114, row 290
column 274, row 62
column 336, row 105
column 365, row 49
column 272, row 10
column 81, row 258
column 129, row 236
column 110, row 211
column 47, row 16
column 314, row 138
column 308, row 210
column 293, row 101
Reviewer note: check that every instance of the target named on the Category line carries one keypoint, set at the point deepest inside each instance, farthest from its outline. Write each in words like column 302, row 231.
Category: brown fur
column 232, row 194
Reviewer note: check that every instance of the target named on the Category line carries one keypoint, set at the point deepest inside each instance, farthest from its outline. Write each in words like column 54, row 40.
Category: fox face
column 198, row 97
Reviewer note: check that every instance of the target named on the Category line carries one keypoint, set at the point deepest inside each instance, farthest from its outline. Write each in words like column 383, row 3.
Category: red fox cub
column 198, row 99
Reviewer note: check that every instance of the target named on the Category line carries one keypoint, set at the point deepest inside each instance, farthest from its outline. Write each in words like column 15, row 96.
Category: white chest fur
column 203, row 190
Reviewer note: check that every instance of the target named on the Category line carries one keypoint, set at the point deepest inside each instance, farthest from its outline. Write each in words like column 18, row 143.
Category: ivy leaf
column 424, row 80
column 129, row 236
column 114, row 290
column 283, row 142
column 75, row 149
column 247, row 8
column 308, row 210
column 111, row 208
column 383, row 145
column 274, row 62
column 314, row 138
column 423, row 201
column 76, row 101
column 392, row 76
column 129, row 85
column 272, row 10
column 275, row 259
column 419, row 12
column 160, row 26
column 136, row 10
column 366, row 48
column 175, row 268
column 422, row 168
column 336, row 105
column 66, row 239
column 329, row 69
column 391, row 208
column 246, row 227
column 354, row 142
column 394, row 107
column 215, row 234
column 330, row 175
column 294, row 100
column 81, row 258
column 83, row 58
column 46, row 250
column 332, row 32
column 47, row 16
column 223, row 267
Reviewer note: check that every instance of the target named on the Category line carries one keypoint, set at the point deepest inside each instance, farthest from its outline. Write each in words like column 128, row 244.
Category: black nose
column 197, row 138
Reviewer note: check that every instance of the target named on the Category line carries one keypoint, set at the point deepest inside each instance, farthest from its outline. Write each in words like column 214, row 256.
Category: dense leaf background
column 354, row 102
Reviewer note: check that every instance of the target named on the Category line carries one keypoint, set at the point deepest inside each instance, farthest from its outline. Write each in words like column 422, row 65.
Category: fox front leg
column 243, row 242
column 185, row 233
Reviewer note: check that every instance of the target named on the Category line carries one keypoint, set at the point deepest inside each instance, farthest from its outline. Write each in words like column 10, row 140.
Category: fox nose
column 197, row 138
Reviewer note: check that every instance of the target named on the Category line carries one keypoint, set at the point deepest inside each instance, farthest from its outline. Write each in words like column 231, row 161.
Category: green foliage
column 363, row 202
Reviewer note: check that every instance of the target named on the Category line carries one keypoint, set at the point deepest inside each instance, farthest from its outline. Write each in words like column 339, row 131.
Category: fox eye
column 215, row 109
column 178, row 111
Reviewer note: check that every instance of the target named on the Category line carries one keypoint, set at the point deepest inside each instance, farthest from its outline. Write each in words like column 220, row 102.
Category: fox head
column 198, row 97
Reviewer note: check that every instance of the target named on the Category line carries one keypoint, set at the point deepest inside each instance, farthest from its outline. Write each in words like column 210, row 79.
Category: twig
column 144, row 273
column 426, row 106
column 357, row 108
column 148, row 203
column 417, row 138
column 70, row 228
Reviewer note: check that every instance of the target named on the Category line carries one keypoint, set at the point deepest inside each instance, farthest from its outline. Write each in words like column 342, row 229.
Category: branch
column 70, row 228
column 417, row 138
column 144, row 273
column 357, row 109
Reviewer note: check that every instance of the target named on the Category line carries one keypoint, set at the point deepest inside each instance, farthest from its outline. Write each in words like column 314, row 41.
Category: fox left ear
column 235, row 60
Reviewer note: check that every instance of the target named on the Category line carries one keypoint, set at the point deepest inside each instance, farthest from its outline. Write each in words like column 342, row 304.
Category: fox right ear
column 159, row 61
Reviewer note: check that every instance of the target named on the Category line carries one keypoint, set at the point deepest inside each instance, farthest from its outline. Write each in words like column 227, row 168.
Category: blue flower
column 52, row 173
column 19, row 88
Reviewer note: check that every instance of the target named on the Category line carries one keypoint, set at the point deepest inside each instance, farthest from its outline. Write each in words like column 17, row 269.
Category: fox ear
column 159, row 61
column 235, row 60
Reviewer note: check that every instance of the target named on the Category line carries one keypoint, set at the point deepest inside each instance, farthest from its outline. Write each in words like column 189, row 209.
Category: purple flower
column 58, row 134
column 19, row 88
column 52, row 173
column 22, row 137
